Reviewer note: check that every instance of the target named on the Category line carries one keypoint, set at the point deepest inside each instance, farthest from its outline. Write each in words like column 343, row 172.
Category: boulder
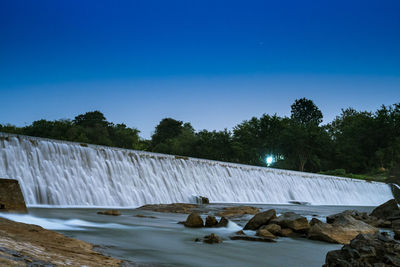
column 341, row 231
column 212, row 239
column 353, row 213
column 314, row 221
column 293, row 221
column 171, row 208
column 265, row 233
column 272, row 228
column 211, row 221
column 238, row 211
column 386, row 210
column 11, row 198
column 251, row 238
column 203, row 200
column 366, row 250
column 286, row 232
column 194, row 220
column 260, row 219
column 223, row 222
column 110, row 212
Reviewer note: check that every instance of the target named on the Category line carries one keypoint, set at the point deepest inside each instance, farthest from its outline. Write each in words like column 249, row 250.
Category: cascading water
column 55, row 172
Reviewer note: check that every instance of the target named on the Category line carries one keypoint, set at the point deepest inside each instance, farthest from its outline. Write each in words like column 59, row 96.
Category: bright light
column 269, row 160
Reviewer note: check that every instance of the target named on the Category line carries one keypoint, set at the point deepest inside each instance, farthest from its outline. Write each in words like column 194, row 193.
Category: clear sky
column 212, row 63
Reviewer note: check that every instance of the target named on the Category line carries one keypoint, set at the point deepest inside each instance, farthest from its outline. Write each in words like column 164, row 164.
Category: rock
column 211, row 221
column 314, row 221
column 386, row 210
column 272, row 228
column 110, row 212
column 223, row 222
column 353, row 213
column 171, row 208
column 260, row 219
column 362, row 216
column 293, row 221
column 194, row 220
column 240, row 232
column 202, row 200
column 212, row 239
column 197, row 240
column 286, row 232
column 238, row 211
column 145, row 216
column 341, row 231
column 366, row 250
column 265, row 233
column 11, row 198
column 251, row 238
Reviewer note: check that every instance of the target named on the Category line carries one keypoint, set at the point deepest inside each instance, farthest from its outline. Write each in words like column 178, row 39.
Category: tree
column 168, row 128
column 304, row 111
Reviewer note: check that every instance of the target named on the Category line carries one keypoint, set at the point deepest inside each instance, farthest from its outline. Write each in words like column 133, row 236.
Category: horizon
column 210, row 64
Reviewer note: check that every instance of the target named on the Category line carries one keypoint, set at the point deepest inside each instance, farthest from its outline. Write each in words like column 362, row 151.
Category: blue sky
column 213, row 63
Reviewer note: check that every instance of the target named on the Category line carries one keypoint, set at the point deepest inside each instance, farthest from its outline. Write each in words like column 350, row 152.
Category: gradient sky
column 213, row 63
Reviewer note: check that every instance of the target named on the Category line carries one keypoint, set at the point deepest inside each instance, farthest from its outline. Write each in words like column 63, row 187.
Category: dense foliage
column 355, row 142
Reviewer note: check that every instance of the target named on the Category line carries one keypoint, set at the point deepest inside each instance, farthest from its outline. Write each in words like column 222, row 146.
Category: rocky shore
column 30, row 245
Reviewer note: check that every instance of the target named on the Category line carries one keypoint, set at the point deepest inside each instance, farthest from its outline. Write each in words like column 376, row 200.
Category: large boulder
column 386, row 210
column 260, row 219
column 238, row 211
column 366, row 250
column 341, row 231
column 362, row 216
column 11, row 198
column 293, row 221
column 211, row 221
column 194, row 220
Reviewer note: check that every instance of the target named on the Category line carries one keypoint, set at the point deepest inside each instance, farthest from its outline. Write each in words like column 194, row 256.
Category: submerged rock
column 212, row 239
column 145, row 216
column 251, row 238
column 194, row 220
column 238, row 211
column 341, row 231
column 172, row 208
column 293, row 221
column 260, row 219
column 366, row 250
column 110, row 212
column 211, row 221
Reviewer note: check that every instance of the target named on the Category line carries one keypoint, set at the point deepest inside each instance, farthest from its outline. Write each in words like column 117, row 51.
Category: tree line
column 355, row 142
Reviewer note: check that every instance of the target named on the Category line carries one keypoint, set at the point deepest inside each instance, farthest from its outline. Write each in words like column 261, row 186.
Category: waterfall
column 63, row 173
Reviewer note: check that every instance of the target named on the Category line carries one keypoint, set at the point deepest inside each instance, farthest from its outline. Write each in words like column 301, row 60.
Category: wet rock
column 314, row 221
column 212, row 239
column 223, row 222
column 386, row 210
column 194, row 220
column 251, row 238
column 11, row 198
column 202, row 200
column 286, row 232
column 341, row 231
column 197, row 240
column 366, row 250
column 293, row 221
column 145, row 216
column 240, row 232
column 211, row 221
column 265, row 233
column 238, row 211
column 110, row 212
column 260, row 219
column 272, row 228
column 362, row 216
column 171, row 208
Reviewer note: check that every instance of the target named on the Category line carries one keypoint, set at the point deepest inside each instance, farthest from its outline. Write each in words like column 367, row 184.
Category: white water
column 68, row 174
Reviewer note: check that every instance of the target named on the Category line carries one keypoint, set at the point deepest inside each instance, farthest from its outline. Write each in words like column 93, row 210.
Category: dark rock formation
column 265, row 233
column 238, row 211
column 172, row 208
column 145, row 216
column 110, row 212
column 366, row 250
column 386, row 210
column 240, row 232
column 293, row 221
column 341, row 231
column 362, row 216
column 272, row 228
column 194, row 220
column 223, row 222
column 211, row 221
column 11, row 198
column 286, row 232
column 260, row 219
column 212, row 239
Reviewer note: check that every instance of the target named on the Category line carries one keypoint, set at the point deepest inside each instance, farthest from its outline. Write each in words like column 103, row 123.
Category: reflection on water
column 162, row 241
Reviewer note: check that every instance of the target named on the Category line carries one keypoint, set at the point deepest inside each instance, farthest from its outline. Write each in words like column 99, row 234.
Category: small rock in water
column 197, row 240
column 240, row 233
column 211, row 221
column 265, row 233
column 110, row 212
column 223, row 222
column 251, row 238
column 145, row 216
column 212, row 239
column 194, row 220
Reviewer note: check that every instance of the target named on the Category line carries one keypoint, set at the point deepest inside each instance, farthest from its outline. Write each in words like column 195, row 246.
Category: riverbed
column 161, row 241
